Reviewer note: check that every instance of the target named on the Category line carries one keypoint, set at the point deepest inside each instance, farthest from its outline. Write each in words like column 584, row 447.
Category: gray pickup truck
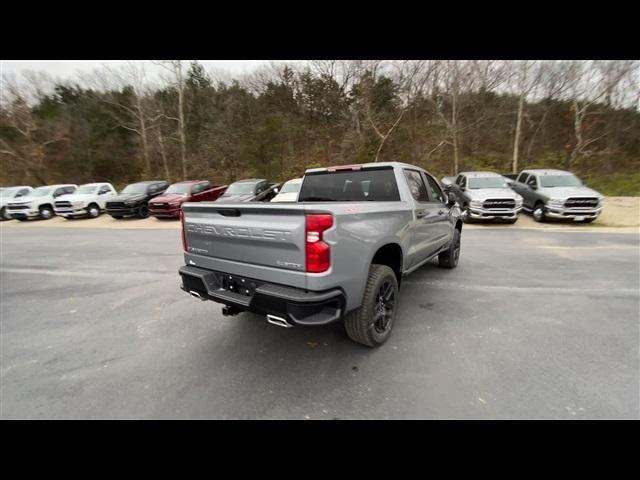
column 338, row 253
column 557, row 194
column 485, row 196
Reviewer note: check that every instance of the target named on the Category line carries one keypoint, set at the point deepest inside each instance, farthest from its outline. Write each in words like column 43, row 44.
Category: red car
column 168, row 204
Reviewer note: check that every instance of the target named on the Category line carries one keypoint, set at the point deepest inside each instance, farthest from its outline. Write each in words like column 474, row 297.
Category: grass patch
column 617, row 185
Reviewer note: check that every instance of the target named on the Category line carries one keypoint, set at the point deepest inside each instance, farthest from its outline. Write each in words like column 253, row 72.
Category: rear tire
column 372, row 322
column 449, row 258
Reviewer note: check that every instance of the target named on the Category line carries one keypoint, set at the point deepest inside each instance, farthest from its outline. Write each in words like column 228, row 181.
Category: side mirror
column 275, row 190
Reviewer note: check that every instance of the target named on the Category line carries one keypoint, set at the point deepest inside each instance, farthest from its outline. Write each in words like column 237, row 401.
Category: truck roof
column 480, row 174
column 547, row 171
column 59, row 185
column 148, row 182
column 187, row 182
column 95, row 184
column 251, row 180
column 362, row 165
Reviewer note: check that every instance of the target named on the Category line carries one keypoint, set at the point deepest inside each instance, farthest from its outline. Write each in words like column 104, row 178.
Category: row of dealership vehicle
column 546, row 193
column 157, row 198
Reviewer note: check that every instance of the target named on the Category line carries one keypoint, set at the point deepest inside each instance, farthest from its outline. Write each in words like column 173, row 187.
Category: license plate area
column 238, row 285
column 578, row 219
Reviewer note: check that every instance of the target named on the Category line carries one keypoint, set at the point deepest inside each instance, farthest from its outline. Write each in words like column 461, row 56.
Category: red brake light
column 184, row 235
column 318, row 253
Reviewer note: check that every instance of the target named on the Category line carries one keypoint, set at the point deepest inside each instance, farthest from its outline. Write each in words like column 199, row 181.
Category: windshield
column 487, row 182
column 87, row 189
column 135, row 188
column 182, row 188
column 242, row 188
column 370, row 185
column 41, row 192
column 291, row 187
column 549, row 181
column 8, row 192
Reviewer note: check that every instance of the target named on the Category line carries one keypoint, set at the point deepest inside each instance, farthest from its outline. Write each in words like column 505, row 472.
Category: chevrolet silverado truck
column 556, row 194
column 38, row 203
column 9, row 194
column 169, row 204
column 339, row 253
column 89, row 200
column 250, row 190
column 133, row 201
column 485, row 196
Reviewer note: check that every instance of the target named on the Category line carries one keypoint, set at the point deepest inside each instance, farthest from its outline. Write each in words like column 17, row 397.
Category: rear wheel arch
column 391, row 256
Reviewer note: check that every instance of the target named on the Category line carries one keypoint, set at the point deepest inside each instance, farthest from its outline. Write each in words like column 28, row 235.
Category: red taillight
column 318, row 252
column 184, row 235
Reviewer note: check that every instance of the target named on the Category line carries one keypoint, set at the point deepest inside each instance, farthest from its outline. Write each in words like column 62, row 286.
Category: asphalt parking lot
column 532, row 324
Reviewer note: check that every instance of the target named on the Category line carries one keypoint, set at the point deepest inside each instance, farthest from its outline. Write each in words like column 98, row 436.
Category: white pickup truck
column 39, row 202
column 88, row 200
column 9, row 194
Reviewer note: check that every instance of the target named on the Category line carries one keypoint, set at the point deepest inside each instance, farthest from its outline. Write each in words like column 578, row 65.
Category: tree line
column 120, row 125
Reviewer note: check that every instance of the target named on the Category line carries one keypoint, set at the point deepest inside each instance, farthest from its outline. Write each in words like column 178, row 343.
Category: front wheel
column 538, row 213
column 449, row 258
column 93, row 211
column 143, row 211
column 4, row 215
column 372, row 322
column 46, row 213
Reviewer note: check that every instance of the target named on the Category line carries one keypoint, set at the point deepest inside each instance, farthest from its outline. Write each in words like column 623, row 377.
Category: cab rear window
column 370, row 185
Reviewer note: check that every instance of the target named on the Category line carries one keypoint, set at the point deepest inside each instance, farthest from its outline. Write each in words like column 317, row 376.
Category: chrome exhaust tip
column 279, row 321
column 195, row 294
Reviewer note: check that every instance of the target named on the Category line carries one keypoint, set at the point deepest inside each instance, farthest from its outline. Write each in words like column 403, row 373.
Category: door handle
column 421, row 214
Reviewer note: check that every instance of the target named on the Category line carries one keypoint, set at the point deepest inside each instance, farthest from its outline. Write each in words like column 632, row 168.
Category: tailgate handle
column 229, row 212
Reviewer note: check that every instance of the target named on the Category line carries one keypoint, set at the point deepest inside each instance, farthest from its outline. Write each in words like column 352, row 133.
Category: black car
column 250, row 190
column 134, row 199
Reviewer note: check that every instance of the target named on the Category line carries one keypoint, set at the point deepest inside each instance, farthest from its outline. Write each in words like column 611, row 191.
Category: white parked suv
column 38, row 203
column 7, row 195
column 87, row 201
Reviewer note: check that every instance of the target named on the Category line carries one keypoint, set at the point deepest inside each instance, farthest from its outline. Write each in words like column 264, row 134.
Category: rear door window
column 369, row 185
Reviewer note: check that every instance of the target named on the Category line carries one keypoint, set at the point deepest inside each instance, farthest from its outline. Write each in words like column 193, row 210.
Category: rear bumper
column 297, row 306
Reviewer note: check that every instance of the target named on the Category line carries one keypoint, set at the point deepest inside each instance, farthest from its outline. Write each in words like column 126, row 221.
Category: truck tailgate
column 265, row 235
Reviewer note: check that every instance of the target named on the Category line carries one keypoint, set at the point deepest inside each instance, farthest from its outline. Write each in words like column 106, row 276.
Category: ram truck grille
column 499, row 203
column 115, row 205
column 63, row 204
column 581, row 203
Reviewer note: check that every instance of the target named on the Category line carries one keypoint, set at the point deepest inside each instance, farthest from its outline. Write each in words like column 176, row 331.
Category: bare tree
column 526, row 78
column 177, row 81
column 33, row 136
column 588, row 86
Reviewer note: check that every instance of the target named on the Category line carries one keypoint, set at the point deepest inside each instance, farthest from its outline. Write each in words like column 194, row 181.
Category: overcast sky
column 65, row 69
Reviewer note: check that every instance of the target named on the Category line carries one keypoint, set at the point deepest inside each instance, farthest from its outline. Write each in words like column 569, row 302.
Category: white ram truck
column 89, row 200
